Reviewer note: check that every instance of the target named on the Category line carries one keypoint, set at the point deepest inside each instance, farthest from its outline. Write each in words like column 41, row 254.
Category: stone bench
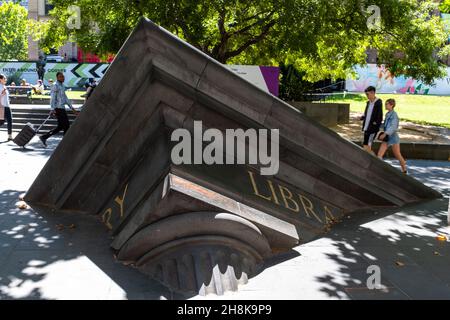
column 327, row 114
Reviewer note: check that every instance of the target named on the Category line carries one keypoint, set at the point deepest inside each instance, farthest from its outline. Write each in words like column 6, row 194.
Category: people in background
column 39, row 87
column 90, row 87
column 49, row 87
column 12, row 85
column 40, row 67
column 389, row 136
column 4, row 104
column 24, row 83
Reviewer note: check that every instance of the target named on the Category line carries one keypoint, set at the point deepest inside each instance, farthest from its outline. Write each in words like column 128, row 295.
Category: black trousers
column 8, row 119
column 63, row 123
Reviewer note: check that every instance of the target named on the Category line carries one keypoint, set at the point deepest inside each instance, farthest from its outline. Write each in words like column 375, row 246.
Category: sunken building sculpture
column 201, row 228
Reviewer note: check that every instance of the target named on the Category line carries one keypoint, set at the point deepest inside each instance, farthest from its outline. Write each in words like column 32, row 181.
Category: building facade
column 39, row 11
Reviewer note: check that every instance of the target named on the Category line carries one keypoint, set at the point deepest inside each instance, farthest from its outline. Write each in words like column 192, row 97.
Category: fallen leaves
column 61, row 227
column 399, row 264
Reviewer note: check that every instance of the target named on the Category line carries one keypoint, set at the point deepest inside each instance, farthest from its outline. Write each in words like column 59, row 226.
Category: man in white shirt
column 58, row 102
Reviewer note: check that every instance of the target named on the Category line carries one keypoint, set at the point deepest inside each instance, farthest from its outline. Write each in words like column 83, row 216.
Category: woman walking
column 4, row 103
column 390, row 136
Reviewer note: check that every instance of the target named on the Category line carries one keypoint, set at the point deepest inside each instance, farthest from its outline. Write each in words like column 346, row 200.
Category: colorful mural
column 382, row 79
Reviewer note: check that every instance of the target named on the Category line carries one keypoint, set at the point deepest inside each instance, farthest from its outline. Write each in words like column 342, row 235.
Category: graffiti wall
column 380, row 78
column 77, row 74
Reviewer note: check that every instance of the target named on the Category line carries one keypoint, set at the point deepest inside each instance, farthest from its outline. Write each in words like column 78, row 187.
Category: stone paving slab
column 39, row 260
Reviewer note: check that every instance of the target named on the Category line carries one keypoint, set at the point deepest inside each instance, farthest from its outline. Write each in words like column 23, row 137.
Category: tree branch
column 219, row 49
column 258, row 22
column 265, row 31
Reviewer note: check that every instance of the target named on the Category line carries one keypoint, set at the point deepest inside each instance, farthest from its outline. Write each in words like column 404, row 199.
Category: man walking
column 58, row 100
column 372, row 119
column 40, row 67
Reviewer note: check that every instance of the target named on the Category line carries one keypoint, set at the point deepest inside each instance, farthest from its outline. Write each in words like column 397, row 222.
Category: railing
column 323, row 97
column 20, row 90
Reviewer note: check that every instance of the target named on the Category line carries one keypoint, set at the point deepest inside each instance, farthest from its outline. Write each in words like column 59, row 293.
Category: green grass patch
column 422, row 109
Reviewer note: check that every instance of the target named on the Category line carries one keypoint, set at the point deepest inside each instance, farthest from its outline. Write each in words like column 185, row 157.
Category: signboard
column 384, row 82
column 76, row 73
column 265, row 78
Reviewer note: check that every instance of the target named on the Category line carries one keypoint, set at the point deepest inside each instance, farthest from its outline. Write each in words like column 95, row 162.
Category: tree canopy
column 323, row 39
column 445, row 6
column 14, row 30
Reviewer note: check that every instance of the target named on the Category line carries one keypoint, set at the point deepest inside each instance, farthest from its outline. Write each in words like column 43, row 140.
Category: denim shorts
column 393, row 139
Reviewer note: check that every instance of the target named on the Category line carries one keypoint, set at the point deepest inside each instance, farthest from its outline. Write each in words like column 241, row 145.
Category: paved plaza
column 67, row 256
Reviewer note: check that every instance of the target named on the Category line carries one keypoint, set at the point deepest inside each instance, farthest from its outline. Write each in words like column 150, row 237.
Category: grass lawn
column 422, row 109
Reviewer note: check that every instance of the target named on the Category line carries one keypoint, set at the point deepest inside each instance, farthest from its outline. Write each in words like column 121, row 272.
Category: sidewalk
column 68, row 257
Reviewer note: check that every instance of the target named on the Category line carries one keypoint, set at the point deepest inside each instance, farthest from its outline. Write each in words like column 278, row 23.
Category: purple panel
column 271, row 76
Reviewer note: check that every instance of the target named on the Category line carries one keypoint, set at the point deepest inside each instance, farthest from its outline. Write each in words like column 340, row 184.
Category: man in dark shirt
column 372, row 119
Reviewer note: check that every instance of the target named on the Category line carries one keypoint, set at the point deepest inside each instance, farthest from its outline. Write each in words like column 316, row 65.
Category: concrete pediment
column 177, row 221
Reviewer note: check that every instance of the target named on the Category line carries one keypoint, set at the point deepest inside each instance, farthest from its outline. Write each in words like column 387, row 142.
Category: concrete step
column 37, row 120
column 18, row 117
column 35, row 116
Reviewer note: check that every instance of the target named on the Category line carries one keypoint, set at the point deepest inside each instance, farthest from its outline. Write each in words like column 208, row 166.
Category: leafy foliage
column 445, row 6
column 323, row 39
column 14, row 31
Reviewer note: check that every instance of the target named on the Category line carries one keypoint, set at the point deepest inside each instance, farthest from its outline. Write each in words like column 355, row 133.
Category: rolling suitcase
column 27, row 133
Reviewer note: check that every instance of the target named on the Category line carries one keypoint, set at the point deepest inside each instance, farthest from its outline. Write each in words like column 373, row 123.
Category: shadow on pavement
column 413, row 263
column 66, row 256
column 43, row 250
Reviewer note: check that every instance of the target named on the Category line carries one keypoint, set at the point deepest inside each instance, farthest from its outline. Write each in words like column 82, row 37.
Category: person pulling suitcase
column 58, row 101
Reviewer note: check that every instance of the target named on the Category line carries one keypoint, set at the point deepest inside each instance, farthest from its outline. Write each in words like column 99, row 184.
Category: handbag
column 385, row 139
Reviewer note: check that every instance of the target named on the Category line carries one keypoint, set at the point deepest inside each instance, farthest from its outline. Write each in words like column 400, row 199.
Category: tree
column 323, row 39
column 445, row 6
column 14, row 30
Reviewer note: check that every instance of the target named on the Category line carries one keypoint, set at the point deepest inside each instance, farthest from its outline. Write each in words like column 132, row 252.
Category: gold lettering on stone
column 287, row 197
column 274, row 194
column 106, row 217
column 308, row 207
column 255, row 188
column 120, row 201
column 328, row 215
